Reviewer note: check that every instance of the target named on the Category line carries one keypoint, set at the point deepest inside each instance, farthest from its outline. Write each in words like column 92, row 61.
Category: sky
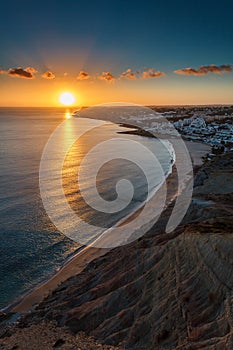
column 146, row 52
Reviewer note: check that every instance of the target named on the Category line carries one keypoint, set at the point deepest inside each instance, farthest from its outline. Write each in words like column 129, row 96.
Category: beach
column 180, row 300
column 78, row 263
column 27, row 233
column 197, row 150
column 164, row 291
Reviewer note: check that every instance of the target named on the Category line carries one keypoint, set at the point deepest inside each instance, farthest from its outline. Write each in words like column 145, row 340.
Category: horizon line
column 145, row 105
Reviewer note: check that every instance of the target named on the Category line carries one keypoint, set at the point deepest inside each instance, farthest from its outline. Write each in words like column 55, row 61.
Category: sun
column 67, row 98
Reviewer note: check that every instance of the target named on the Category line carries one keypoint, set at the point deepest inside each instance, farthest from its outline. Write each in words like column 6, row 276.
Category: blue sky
column 95, row 36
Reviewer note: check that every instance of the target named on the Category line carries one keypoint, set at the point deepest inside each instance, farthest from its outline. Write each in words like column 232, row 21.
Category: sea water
column 31, row 247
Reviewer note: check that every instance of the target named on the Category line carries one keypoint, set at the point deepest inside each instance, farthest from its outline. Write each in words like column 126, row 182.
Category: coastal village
column 212, row 125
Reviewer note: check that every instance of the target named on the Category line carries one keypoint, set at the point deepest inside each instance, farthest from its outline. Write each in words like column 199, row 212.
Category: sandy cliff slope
column 164, row 291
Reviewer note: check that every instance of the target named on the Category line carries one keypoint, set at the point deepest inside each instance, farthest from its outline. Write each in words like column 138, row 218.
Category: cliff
column 164, row 291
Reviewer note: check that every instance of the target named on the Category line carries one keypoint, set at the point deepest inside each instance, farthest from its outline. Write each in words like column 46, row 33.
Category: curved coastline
column 77, row 262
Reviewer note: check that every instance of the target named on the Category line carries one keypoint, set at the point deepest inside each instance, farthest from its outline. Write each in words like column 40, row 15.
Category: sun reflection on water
column 68, row 114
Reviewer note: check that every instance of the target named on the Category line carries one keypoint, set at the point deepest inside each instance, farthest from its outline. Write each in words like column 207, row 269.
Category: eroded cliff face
column 164, row 291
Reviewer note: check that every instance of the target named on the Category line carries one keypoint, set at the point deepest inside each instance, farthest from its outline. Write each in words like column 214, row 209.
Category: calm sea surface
column 31, row 247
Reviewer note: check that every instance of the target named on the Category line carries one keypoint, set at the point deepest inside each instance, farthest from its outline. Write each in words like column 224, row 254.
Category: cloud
column 83, row 75
column 31, row 70
column 203, row 70
column 22, row 73
column 128, row 74
column 151, row 73
column 226, row 68
column 107, row 76
column 147, row 73
column 48, row 75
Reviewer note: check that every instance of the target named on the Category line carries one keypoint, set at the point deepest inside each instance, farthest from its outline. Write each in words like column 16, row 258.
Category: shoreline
column 76, row 264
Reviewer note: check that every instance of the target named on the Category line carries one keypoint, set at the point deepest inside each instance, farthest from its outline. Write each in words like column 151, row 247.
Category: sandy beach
column 78, row 263
column 166, row 290
column 197, row 150
column 72, row 268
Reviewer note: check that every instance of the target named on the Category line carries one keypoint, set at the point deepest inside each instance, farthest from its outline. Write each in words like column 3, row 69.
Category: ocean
column 32, row 248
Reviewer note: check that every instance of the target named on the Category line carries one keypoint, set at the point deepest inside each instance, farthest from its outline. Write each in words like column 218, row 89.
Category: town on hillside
column 212, row 125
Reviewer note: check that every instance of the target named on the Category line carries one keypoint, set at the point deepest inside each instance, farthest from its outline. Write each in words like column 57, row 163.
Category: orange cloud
column 22, row 73
column 107, row 76
column 83, row 75
column 151, row 73
column 31, row 70
column 203, row 70
column 128, row 74
column 48, row 75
